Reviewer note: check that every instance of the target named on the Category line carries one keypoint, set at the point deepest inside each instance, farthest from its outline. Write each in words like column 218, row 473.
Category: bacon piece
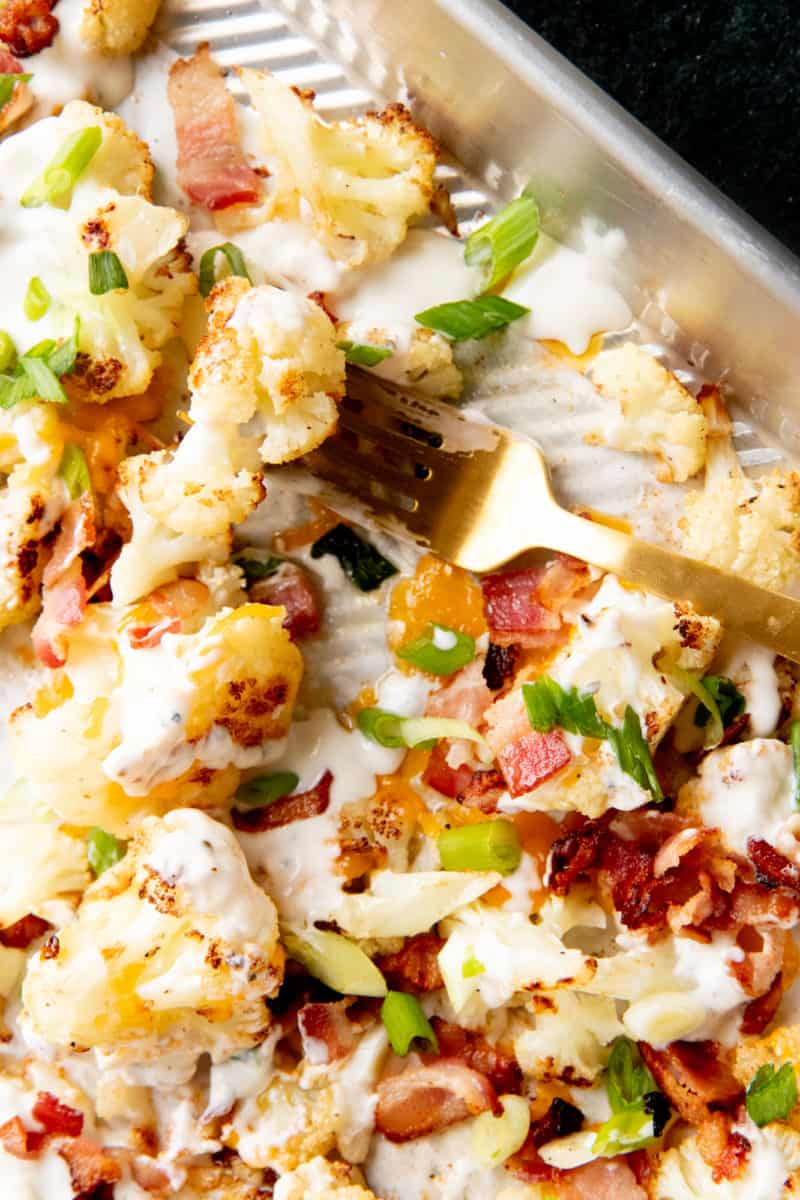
column 500, row 1068
column 58, row 1120
column 530, row 760
column 602, row 1179
column 439, row 775
column 24, row 931
column 564, row 578
column 212, row 170
column 90, row 1166
column 694, row 1078
column 298, row 807
column 21, row 97
column 174, row 604
column 26, row 27
column 514, row 612
column 19, row 1141
column 64, row 593
column 761, row 1011
column 415, row 967
column 291, row 588
column 500, row 665
column 326, row 1033
column 483, row 791
column 724, row 1150
column 772, row 868
column 465, row 696
column 561, row 1119
column 422, row 1100
column 764, row 951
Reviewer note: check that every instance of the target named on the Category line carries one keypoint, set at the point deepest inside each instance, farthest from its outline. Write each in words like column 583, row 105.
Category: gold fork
column 478, row 495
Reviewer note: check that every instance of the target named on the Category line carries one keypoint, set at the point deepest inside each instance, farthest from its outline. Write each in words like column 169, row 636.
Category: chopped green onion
column 103, row 850
column 631, row 1129
column 488, row 846
column 628, row 1080
column 794, row 739
column 772, row 1095
column 7, row 86
column 440, row 650
column 336, row 961
column 45, row 384
column 360, row 354
column 405, row 1021
column 61, row 359
column 494, row 1139
column 360, row 561
column 37, row 300
column 14, row 389
column 472, row 967
column 634, row 755
column 388, row 729
column 55, row 184
column 549, row 704
column 106, row 273
column 504, row 242
column 462, row 320
column 208, row 265
column 266, row 789
column 729, row 701
column 74, row 470
column 691, row 685
column 257, row 567
column 8, row 351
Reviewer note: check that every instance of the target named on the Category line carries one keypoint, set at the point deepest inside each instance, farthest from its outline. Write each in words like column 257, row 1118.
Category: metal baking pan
column 511, row 111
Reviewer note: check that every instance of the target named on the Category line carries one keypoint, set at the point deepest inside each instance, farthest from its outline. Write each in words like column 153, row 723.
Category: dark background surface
column 719, row 82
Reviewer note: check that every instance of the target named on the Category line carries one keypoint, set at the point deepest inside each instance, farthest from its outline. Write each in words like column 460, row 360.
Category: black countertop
column 718, row 81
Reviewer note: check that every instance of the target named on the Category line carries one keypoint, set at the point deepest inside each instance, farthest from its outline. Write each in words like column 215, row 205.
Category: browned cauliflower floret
column 117, row 26
column 319, row 1179
column 750, row 527
column 418, row 358
column 657, row 414
column 120, row 331
column 133, row 728
column 171, row 955
column 363, row 179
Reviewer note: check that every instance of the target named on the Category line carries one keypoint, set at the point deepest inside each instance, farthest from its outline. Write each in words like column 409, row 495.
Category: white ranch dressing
column 752, row 669
column 439, row 1167
column 284, row 253
column 70, row 70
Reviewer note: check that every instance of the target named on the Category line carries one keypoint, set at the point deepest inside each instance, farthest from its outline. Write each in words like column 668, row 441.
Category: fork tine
column 358, row 480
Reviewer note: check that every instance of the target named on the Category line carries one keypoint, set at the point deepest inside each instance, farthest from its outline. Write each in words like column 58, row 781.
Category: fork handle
column 771, row 618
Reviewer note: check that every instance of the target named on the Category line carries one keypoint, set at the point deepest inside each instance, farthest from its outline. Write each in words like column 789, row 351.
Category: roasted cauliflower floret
column 422, row 359
column 117, row 26
column 657, row 414
column 139, row 723
column 319, row 1179
column 746, row 526
column 770, row 1171
column 121, row 331
column 172, row 954
column 291, row 1121
column 31, row 502
column 363, row 179
column 269, row 362
column 43, row 867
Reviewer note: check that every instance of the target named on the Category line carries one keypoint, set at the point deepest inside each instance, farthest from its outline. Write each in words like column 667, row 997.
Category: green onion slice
column 463, row 320
column 388, row 729
column 37, row 299
column 504, row 242
column 7, row 86
column 631, row 1129
column 472, row 967
column 640, row 1111
column 74, row 470
column 266, row 789
column 548, row 704
column 361, row 562
column 729, row 701
column 488, row 846
column 336, row 961
column 103, row 850
column 8, row 351
column 45, row 383
column 628, row 1080
column 494, row 1139
column 61, row 359
column 360, row 354
column 55, row 184
column 439, row 650
column 208, row 265
column 257, row 564
column 634, row 755
column 106, row 273
column 405, row 1021
column 771, row 1095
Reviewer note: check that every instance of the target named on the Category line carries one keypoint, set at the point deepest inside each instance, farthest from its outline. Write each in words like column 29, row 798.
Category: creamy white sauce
column 284, row 253
column 241, row 1077
column 440, row 1167
column 355, row 1097
column 69, row 70
column 748, row 790
column 147, row 112
column 571, row 295
column 752, row 669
